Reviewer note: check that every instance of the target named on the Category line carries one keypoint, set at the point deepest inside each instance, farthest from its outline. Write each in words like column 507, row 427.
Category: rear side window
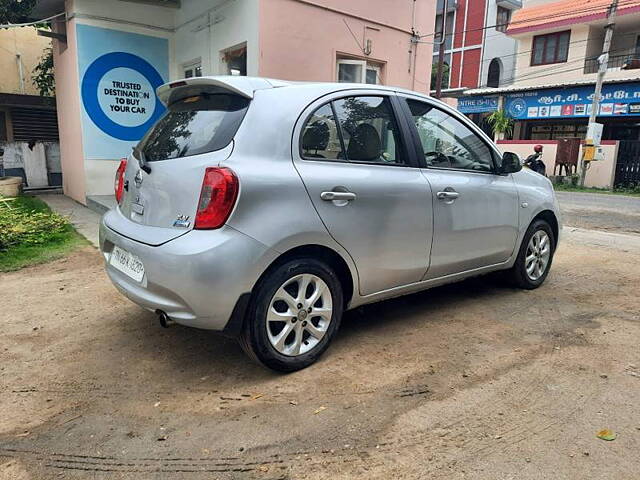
column 320, row 137
column 194, row 125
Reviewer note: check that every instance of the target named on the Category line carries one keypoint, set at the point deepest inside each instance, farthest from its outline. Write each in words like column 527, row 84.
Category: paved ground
column 600, row 211
column 84, row 220
column 474, row 381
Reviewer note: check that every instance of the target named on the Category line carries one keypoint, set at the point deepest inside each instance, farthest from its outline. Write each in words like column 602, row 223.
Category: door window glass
column 448, row 143
column 369, row 130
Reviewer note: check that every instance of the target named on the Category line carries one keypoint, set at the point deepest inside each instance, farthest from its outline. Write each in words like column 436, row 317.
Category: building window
column 503, row 18
column 358, row 71
column 437, row 38
column 234, row 60
column 551, row 48
column 493, row 77
column 192, row 70
column 554, row 131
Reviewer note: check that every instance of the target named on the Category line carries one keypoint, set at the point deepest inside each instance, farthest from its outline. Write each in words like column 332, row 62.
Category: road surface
column 615, row 213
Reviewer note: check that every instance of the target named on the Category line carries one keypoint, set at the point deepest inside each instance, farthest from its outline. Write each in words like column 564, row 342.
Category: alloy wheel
column 299, row 314
column 538, row 255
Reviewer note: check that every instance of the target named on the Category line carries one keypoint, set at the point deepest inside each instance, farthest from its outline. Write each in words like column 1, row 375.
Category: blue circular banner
column 131, row 107
column 517, row 108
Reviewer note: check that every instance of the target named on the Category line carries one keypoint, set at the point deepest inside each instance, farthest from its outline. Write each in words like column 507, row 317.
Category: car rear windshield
column 194, row 125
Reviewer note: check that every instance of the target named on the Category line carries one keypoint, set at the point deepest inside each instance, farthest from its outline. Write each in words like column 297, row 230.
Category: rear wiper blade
column 142, row 160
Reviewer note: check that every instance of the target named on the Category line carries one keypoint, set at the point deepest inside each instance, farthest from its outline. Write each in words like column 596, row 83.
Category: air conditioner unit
column 510, row 4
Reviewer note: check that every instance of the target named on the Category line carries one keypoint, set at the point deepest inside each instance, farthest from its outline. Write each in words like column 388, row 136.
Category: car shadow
column 187, row 355
column 425, row 305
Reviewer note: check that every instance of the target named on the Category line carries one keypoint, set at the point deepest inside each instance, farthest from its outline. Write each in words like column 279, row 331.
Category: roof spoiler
column 243, row 86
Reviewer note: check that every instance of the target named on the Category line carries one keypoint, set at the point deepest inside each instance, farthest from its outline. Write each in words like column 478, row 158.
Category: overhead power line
column 36, row 22
column 545, row 17
column 550, row 66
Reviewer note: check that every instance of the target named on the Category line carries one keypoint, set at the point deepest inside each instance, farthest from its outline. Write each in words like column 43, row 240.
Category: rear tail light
column 118, row 183
column 217, row 198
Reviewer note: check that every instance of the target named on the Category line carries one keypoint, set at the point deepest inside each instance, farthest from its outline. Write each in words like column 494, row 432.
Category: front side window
column 363, row 129
column 194, row 125
column 447, row 142
column 551, row 48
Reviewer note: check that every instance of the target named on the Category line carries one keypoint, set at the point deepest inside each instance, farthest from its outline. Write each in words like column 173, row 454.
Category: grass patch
column 30, row 234
column 563, row 187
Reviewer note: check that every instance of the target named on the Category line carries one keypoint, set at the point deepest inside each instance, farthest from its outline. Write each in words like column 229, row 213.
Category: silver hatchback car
column 264, row 209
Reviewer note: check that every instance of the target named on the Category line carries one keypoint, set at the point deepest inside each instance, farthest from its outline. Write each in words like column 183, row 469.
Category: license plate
column 127, row 263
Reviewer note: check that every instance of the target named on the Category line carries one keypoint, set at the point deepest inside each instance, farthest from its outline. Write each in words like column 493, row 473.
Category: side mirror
column 510, row 163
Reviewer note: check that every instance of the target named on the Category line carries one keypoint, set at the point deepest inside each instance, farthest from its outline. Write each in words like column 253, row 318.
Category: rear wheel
column 535, row 256
column 294, row 313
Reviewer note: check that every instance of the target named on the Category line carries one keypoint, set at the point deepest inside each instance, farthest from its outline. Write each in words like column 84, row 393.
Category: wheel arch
column 332, row 258
column 550, row 217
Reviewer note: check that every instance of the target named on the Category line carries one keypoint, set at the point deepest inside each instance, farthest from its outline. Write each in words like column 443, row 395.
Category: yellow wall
column 571, row 71
column 26, row 42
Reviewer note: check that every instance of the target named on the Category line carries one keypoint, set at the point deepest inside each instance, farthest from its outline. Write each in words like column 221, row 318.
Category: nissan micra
column 264, row 209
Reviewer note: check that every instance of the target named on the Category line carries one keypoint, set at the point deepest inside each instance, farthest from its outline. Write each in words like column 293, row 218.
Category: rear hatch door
column 164, row 174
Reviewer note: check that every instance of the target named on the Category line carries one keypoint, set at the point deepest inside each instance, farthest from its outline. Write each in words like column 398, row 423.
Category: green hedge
column 27, row 221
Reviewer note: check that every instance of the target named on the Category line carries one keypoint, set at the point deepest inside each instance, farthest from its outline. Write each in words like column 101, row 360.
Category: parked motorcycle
column 534, row 161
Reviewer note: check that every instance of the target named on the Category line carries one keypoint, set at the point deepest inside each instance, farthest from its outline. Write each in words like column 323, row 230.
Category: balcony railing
column 627, row 61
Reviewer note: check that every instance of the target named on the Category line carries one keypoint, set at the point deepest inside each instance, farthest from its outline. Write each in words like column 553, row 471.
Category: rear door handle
column 447, row 195
column 330, row 196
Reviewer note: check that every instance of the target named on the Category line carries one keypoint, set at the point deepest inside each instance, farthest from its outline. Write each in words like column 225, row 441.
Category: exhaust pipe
column 165, row 321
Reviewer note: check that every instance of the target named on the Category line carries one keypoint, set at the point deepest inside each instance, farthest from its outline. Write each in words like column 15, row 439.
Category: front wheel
column 535, row 256
column 294, row 313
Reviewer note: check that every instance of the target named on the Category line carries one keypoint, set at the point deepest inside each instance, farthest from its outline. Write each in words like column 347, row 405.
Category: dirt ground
column 474, row 380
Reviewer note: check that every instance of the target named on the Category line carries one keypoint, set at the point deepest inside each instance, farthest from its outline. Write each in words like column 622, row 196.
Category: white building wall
column 205, row 28
column 497, row 45
column 198, row 30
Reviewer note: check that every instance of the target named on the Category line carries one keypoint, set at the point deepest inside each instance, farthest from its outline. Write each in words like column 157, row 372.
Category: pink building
column 112, row 54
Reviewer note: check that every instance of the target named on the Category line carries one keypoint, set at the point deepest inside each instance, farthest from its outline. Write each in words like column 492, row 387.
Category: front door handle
column 331, row 196
column 447, row 195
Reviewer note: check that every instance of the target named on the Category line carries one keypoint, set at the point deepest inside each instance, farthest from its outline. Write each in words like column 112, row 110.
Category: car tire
column 533, row 262
column 277, row 302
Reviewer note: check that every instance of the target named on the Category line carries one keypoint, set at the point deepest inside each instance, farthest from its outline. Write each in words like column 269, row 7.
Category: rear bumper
column 196, row 278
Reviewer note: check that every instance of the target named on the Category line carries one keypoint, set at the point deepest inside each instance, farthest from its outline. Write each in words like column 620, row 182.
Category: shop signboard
column 620, row 99
column 119, row 73
column 478, row 104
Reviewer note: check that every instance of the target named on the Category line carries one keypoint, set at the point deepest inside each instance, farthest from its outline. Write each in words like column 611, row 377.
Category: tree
column 19, row 11
column 43, row 74
column 445, row 75
column 15, row 11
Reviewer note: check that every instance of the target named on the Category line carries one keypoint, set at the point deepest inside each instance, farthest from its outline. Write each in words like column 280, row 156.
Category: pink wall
column 301, row 39
column 69, row 123
column 600, row 174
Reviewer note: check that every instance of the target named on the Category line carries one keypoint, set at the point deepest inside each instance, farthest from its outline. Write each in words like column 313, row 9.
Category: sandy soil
column 474, row 380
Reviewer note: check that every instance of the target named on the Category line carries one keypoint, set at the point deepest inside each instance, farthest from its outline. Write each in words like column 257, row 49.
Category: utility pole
column 603, row 60
column 441, row 50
